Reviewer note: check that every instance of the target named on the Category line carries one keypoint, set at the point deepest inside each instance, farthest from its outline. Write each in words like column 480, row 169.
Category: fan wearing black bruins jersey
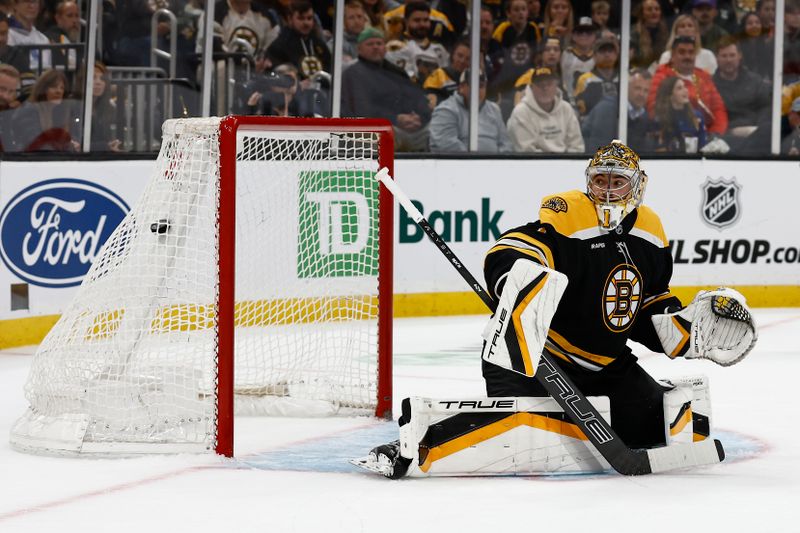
column 615, row 256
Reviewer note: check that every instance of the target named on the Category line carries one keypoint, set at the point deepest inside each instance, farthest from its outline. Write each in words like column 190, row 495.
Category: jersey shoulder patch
column 571, row 214
column 648, row 227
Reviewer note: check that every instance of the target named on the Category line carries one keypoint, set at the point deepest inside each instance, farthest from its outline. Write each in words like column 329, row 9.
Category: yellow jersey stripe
column 536, row 243
column 571, row 349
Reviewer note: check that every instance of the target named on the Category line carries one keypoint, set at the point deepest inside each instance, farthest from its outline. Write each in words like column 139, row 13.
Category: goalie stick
column 624, row 460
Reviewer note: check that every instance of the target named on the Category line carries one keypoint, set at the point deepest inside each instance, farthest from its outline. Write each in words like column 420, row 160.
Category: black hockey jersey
column 617, row 279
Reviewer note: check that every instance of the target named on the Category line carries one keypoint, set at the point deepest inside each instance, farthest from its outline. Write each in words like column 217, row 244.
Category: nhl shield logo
column 720, row 203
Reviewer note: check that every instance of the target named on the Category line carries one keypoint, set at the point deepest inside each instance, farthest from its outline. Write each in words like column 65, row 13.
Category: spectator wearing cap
column 578, row 58
column 705, row 11
column 686, row 26
column 543, row 122
column 790, row 145
column 600, row 125
column 649, row 34
column 517, row 39
column 450, row 121
column 603, row 79
column 703, row 94
column 747, row 97
column 443, row 82
column 550, row 57
column 374, row 87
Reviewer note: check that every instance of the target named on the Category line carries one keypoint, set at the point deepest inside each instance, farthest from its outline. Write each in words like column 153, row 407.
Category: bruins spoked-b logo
column 621, row 297
column 720, row 202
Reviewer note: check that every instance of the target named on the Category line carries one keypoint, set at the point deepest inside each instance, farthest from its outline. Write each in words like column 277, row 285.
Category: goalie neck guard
column 613, row 197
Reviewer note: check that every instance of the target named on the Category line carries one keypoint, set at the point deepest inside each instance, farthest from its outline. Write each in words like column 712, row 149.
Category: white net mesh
column 132, row 364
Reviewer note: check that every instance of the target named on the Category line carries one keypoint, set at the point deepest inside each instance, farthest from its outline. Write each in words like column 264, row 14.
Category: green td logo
column 338, row 224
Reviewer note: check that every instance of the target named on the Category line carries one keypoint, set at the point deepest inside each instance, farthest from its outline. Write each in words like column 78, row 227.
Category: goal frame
column 226, row 258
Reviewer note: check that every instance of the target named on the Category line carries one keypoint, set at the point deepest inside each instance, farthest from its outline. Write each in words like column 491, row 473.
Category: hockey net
column 164, row 332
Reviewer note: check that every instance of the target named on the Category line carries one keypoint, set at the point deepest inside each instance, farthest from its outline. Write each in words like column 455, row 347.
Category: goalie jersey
column 617, row 279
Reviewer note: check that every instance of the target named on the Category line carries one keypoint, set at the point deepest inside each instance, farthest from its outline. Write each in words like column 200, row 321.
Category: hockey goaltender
column 590, row 274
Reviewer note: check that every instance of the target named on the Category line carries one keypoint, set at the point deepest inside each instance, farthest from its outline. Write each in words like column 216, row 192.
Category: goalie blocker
column 518, row 436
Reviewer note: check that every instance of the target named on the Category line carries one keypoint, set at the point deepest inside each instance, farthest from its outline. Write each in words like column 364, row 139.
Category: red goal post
column 229, row 127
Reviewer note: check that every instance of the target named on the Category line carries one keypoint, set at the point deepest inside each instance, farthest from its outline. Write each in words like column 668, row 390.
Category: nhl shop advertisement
column 729, row 223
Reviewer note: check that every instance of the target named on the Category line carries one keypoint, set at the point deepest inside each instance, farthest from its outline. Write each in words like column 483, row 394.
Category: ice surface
column 292, row 474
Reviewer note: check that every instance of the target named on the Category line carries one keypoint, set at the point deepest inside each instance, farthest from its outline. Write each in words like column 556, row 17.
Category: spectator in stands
column 705, row 12
column 790, row 145
column 549, row 57
column 46, row 121
column 766, row 12
column 490, row 49
column 703, row 94
column 245, row 20
column 299, row 44
column 543, row 121
column 376, row 9
column 374, row 87
column 442, row 83
column 420, row 37
column 757, row 50
column 681, row 128
column 439, row 29
column 67, row 27
column 649, row 34
column 601, row 13
column 686, row 26
column 747, row 98
column 558, row 19
column 11, row 55
column 22, row 23
column 602, row 80
column 518, row 40
column 355, row 20
column 133, row 45
column 578, row 58
column 600, row 125
column 104, row 133
column 450, row 122
column 791, row 41
column 9, row 89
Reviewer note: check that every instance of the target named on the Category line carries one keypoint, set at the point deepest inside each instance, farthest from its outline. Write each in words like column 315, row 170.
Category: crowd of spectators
column 700, row 79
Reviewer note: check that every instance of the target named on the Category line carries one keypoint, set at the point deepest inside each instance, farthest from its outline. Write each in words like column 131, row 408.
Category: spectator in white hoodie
column 542, row 121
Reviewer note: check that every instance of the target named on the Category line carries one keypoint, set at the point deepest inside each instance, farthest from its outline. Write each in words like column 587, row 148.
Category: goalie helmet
column 614, row 201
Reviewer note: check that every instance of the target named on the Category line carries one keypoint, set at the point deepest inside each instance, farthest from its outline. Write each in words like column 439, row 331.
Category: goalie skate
column 384, row 460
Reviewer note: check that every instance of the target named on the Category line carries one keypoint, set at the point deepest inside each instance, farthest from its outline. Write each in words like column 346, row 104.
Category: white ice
column 273, row 486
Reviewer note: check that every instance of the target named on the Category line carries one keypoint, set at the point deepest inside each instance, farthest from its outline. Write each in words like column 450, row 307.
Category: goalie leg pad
column 687, row 409
column 495, row 436
column 516, row 333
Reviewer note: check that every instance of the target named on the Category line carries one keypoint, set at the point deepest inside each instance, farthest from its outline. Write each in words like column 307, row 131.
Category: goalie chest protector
column 617, row 279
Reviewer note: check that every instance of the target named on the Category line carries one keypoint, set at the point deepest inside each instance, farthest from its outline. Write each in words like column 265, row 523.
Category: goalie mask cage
column 254, row 272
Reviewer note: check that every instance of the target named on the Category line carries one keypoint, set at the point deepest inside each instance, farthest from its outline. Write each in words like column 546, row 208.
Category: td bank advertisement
column 728, row 222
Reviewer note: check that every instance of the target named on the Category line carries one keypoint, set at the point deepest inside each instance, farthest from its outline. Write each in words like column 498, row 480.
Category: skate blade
column 371, row 464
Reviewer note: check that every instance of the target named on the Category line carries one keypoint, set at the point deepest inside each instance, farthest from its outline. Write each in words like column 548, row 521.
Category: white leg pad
column 687, row 409
column 495, row 436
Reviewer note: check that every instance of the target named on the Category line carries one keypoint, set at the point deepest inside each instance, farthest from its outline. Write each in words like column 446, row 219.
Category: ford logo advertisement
column 51, row 232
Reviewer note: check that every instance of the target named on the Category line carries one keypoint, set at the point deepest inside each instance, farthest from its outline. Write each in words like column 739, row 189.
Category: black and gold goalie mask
column 615, row 183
